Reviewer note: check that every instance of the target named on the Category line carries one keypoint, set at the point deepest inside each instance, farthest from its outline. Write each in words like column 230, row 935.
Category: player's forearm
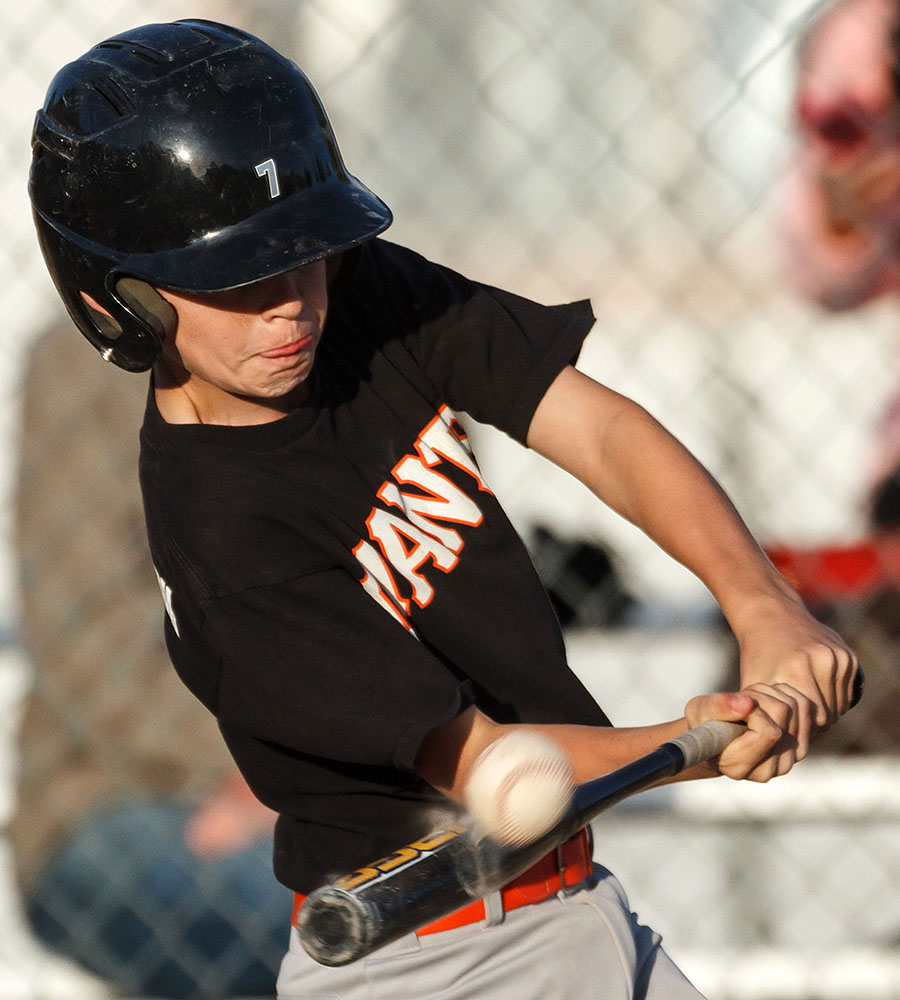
column 790, row 660
column 649, row 477
column 449, row 752
column 640, row 470
column 633, row 464
column 595, row 751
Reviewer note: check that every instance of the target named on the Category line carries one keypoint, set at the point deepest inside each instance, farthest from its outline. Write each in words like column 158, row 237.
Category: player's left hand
column 794, row 665
column 767, row 749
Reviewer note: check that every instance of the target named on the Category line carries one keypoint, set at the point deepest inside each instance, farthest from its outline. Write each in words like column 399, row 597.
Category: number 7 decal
column 268, row 170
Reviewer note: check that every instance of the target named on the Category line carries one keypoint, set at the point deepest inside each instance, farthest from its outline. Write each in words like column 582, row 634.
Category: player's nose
column 281, row 293
column 287, row 294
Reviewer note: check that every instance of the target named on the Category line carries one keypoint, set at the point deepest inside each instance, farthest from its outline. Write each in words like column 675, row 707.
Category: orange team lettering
column 419, row 529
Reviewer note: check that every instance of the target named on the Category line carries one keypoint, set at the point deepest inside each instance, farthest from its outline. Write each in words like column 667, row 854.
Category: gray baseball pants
column 569, row 947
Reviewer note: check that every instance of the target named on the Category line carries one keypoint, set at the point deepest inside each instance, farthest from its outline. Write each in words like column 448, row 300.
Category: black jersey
column 342, row 580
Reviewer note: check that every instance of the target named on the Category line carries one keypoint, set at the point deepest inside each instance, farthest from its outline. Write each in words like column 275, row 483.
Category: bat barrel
column 382, row 903
column 334, row 926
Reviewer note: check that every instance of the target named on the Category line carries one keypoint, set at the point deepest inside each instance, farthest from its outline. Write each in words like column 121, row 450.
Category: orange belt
column 563, row 868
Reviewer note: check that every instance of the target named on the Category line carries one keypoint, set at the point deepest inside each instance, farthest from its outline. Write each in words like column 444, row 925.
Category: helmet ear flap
column 108, row 328
column 149, row 305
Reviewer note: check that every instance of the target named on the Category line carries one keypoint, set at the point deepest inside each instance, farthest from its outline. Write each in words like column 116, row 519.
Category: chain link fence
column 629, row 153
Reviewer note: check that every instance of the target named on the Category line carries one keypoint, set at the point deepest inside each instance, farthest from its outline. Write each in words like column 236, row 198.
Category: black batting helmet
column 189, row 156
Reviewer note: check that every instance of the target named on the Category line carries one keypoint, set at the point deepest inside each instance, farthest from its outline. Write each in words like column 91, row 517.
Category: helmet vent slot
column 114, row 98
column 138, row 51
column 138, row 54
column 207, row 36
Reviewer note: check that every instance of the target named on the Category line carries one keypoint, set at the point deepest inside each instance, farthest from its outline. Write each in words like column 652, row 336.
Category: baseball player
column 342, row 589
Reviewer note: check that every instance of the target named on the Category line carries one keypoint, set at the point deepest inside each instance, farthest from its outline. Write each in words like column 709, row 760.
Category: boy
column 343, row 591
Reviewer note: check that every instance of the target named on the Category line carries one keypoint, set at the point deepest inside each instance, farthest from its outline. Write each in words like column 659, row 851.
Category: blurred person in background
column 140, row 852
column 839, row 215
column 841, row 206
column 841, row 200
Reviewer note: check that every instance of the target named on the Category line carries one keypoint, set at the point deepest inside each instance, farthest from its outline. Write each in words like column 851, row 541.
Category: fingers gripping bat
column 429, row 878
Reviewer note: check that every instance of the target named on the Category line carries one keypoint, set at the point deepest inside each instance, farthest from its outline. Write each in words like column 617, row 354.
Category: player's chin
column 274, row 383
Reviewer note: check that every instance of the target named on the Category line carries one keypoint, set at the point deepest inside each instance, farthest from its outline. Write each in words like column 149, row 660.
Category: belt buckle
column 566, row 890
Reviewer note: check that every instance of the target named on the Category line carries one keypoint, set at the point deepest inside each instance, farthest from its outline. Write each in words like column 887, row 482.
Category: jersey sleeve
column 490, row 353
column 316, row 666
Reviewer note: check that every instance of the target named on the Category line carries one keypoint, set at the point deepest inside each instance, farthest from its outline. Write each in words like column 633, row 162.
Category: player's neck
column 193, row 401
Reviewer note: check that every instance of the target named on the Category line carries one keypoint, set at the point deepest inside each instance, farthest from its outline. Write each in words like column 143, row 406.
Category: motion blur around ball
column 519, row 787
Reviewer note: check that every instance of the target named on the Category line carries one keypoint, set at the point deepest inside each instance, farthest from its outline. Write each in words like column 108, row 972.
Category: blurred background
column 633, row 154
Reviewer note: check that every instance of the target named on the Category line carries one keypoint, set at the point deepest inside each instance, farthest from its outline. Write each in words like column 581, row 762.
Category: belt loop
column 493, row 909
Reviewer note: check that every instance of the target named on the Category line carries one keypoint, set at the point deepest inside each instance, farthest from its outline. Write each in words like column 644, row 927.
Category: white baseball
column 519, row 787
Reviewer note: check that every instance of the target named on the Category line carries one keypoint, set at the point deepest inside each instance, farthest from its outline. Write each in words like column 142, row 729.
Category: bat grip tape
column 707, row 740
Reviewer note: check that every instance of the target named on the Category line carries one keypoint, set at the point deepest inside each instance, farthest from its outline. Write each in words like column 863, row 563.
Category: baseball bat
column 431, row 877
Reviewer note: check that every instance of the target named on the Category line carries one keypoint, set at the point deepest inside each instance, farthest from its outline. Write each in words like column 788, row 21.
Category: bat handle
column 707, row 740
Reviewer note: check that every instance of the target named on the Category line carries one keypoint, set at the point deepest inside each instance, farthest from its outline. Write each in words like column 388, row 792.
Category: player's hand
column 789, row 657
column 768, row 748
